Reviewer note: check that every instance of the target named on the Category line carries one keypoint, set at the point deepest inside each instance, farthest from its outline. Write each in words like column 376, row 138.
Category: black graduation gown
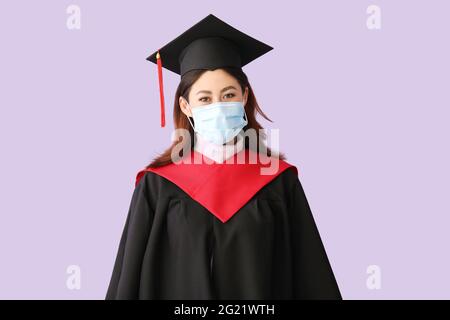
column 172, row 247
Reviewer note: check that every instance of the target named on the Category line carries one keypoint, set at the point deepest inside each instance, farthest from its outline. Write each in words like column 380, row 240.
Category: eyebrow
column 209, row 92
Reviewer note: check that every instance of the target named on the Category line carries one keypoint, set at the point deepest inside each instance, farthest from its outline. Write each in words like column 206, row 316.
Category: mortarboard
column 209, row 44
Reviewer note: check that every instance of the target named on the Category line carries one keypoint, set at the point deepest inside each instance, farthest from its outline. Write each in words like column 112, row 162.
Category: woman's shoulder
column 157, row 185
column 289, row 172
column 280, row 187
column 144, row 177
column 148, row 174
column 149, row 179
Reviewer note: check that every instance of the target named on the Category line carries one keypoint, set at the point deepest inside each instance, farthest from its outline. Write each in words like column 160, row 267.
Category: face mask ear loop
column 246, row 119
column 189, row 118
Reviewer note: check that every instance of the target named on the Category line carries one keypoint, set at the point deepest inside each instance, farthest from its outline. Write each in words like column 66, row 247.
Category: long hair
column 181, row 121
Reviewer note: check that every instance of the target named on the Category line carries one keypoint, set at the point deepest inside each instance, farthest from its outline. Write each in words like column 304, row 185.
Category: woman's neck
column 219, row 153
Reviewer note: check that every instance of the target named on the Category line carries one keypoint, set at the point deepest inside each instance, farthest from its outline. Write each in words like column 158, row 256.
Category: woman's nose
column 217, row 99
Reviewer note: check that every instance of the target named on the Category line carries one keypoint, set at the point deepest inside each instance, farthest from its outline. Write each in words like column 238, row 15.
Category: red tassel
column 161, row 89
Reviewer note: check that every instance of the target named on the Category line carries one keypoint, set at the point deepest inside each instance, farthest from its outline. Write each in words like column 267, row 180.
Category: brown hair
column 181, row 121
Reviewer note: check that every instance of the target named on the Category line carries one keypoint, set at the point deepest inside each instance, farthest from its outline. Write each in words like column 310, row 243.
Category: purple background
column 362, row 113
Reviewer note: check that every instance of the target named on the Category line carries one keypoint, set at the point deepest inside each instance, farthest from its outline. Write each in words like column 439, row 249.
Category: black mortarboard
column 209, row 44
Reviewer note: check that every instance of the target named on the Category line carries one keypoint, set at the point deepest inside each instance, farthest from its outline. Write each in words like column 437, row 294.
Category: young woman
column 224, row 227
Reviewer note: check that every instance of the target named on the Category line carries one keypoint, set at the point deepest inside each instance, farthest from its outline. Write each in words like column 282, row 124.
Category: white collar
column 216, row 152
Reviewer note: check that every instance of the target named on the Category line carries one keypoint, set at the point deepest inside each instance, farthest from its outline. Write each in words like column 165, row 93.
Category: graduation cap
column 209, row 44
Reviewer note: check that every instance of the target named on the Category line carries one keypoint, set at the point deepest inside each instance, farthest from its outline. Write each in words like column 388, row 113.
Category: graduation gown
column 220, row 231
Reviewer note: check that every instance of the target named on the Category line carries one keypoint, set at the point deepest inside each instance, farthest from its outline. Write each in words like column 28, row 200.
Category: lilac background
column 363, row 115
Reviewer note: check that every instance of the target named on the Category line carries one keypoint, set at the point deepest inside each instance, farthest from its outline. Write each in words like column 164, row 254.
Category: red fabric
column 219, row 187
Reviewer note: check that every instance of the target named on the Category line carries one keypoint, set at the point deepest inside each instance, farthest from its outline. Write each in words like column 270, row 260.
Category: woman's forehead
column 215, row 80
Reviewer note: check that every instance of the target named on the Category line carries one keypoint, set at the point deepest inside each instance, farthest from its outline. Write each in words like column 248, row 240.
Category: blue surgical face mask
column 219, row 122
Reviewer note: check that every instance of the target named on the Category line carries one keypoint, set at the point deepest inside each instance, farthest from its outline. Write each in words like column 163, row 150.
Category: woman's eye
column 201, row 99
column 230, row 94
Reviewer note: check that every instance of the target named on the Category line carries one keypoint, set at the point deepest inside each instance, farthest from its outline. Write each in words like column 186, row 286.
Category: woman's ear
column 184, row 106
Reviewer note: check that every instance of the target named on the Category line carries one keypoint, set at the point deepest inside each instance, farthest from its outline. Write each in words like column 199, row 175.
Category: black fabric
column 173, row 248
column 209, row 44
